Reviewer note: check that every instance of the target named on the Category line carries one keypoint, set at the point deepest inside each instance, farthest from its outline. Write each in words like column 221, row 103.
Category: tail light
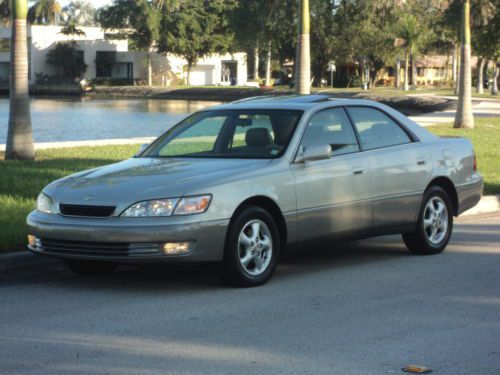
column 474, row 166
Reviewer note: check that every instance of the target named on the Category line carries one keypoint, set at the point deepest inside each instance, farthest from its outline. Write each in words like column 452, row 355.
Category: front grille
column 85, row 210
column 109, row 249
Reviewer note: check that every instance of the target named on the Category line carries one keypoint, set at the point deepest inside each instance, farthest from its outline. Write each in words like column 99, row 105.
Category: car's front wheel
column 83, row 267
column 252, row 248
column 435, row 223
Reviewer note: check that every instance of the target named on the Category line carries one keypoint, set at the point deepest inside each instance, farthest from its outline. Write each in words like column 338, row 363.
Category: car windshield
column 256, row 134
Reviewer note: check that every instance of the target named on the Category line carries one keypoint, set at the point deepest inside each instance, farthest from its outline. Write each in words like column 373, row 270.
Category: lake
column 55, row 120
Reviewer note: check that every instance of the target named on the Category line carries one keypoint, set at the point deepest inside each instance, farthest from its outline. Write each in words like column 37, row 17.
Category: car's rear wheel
column 84, row 267
column 252, row 248
column 435, row 223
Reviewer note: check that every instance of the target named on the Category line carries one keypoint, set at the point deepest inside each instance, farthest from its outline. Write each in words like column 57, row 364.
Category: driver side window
column 331, row 126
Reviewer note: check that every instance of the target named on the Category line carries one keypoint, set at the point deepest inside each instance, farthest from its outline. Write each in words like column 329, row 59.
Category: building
column 108, row 58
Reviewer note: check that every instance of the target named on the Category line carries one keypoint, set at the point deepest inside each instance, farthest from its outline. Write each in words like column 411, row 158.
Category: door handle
column 358, row 171
column 420, row 162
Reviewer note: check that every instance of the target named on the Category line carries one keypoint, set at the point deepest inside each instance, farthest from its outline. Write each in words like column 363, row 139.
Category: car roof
column 301, row 102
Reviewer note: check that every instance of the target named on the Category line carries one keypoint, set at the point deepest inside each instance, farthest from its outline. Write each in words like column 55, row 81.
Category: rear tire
column 84, row 267
column 252, row 249
column 435, row 224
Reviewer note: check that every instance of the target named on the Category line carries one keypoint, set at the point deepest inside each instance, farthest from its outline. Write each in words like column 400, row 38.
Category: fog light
column 176, row 248
column 31, row 240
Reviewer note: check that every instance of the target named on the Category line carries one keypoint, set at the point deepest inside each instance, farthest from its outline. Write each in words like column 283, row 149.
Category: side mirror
column 314, row 152
column 142, row 148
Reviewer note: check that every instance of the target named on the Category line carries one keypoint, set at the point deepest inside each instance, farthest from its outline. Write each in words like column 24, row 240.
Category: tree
column 79, row 13
column 44, row 12
column 303, row 55
column 323, row 37
column 196, row 29
column 409, row 33
column 5, row 6
column 464, row 118
column 72, row 29
column 67, row 61
column 19, row 134
column 138, row 20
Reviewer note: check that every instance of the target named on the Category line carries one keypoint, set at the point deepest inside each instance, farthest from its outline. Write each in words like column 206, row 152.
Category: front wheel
column 252, row 249
column 434, row 226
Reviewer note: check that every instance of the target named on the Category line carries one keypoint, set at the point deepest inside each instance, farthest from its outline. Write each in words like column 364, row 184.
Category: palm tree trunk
column 464, row 118
column 268, row 65
column 480, row 70
column 19, row 135
column 457, row 82
column 256, row 63
column 494, row 86
column 454, row 64
column 413, row 70
column 150, row 70
column 398, row 69
column 303, row 55
column 406, row 86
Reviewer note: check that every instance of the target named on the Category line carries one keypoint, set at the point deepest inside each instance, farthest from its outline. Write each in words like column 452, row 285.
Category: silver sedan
column 240, row 183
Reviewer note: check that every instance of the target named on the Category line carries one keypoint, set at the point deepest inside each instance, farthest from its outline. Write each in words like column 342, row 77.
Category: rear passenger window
column 331, row 126
column 377, row 130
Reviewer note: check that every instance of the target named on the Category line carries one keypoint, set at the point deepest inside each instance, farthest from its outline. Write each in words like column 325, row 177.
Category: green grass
column 485, row 138
column 390, row 91
column 21, row 182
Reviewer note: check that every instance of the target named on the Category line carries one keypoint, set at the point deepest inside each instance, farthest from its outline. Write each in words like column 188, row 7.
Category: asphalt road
column 362, row 308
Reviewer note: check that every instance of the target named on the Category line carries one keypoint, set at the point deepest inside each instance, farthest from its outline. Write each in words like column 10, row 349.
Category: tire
column 84, row 267
column 434, row 226
column 252, row 248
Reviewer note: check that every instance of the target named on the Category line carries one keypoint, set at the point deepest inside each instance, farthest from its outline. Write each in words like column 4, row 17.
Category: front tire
column 252, row 249
column 84, row 267
column 435, row 224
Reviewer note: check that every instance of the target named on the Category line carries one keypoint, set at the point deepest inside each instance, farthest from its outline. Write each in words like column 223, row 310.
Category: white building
column 95, row 47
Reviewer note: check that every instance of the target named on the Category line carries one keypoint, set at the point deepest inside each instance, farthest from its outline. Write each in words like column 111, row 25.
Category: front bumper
column 126, row 240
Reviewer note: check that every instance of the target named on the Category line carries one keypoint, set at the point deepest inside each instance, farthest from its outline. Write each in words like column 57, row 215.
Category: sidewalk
column 480, row 108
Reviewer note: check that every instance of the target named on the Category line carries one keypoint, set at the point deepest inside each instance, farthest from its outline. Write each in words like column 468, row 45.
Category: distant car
column 241, row 182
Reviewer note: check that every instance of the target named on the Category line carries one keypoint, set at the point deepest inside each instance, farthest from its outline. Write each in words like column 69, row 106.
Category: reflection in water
column 88, row 119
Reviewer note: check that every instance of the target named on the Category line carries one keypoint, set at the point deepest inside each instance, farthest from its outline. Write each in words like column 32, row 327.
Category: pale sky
column 95, row 3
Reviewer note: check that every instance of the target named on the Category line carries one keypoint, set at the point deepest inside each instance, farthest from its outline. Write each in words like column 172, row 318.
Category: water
column 57, row 120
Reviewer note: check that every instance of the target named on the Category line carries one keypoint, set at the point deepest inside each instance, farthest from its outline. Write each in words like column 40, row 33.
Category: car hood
column 139, row 179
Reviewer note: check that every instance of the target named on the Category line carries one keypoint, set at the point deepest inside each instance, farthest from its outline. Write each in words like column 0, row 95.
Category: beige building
column 109, row 58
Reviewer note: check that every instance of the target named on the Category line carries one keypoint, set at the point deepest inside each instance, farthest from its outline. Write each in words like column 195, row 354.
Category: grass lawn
column 21, row 182
column 390, row 91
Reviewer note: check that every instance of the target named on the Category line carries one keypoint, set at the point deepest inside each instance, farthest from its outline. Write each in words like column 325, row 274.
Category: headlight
column 169, row 207
column 193, row 205
column 44, row 204
column 158, row 207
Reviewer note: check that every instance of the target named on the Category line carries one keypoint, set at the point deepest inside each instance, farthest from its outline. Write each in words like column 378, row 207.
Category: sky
column 95, row 3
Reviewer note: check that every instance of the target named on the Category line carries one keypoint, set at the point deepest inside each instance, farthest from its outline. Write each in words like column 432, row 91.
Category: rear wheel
column 252, row 249
column 434, row 226
column 84, row 267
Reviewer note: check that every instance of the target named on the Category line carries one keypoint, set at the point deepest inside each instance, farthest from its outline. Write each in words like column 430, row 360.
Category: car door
column 398, row 163
column 333, row 195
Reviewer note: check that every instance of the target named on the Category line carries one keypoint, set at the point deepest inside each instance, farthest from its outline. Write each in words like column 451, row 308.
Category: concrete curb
column 488, row 203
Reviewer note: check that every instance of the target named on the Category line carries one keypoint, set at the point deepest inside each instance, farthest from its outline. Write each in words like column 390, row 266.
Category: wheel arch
column 270, row 206
column 447, row 185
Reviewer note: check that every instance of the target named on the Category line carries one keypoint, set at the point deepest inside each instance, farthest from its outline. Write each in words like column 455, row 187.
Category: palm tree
column 464, row 118
column 410, row 36
column 19, row 135
column 44, row 12
column 303, row 53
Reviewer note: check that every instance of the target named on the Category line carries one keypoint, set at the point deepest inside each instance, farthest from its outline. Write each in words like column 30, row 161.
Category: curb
column 488, row 203
column 28, row 267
